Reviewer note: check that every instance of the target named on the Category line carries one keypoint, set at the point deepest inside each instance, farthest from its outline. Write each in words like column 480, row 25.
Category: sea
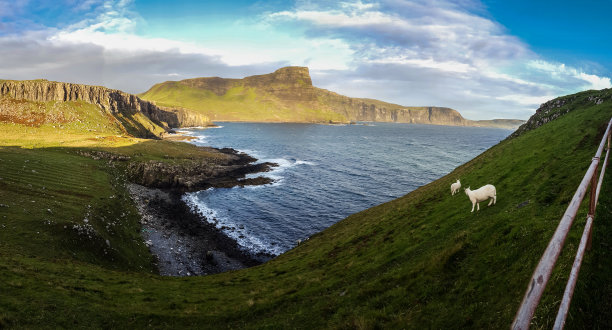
column 326, row 173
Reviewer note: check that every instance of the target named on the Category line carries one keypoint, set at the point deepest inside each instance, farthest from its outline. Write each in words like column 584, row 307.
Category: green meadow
column 71, row 255
column 239, row 103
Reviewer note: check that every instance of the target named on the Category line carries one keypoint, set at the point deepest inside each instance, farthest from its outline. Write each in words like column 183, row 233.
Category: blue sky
column 487, row 59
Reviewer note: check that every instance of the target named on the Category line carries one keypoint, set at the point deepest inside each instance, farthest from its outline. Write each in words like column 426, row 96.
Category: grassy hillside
column 238, row 103
column 74, row 117
column 420, row 261
column 61, row 197
column 287, row 95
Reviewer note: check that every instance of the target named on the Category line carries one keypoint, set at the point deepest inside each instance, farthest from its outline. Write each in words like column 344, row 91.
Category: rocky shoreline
column 194, row 175
column 183, row 242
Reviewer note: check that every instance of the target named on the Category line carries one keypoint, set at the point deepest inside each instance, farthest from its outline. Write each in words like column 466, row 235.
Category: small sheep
column 455, row 187
column 481, row 194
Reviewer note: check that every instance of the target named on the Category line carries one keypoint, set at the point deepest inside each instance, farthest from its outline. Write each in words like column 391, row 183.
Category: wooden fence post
column 593, row 200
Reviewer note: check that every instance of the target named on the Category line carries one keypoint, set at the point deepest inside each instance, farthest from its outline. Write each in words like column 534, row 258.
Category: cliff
column 288, row 95
column 114, row 102
column 359, row 109
column 561, row 106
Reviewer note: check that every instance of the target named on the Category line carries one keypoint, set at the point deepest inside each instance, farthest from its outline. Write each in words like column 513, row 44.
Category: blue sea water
column 326, row 173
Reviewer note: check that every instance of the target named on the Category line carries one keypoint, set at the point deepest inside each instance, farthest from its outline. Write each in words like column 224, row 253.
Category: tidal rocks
column 184, row 243
column 192, row 175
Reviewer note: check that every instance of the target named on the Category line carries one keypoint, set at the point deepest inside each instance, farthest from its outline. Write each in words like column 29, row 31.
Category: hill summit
column 288, row 95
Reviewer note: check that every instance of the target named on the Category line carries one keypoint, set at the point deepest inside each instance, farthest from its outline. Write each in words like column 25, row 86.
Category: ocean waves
column 326, row 173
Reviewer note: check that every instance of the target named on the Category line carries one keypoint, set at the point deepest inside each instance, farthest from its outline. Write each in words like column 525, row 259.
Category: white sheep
column 455, row 187
column 481, row 194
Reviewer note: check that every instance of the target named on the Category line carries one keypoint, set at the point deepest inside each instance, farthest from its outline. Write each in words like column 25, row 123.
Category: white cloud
column 441, row 51
column 338, row 18
column 560, row 71
column 113, row 30
column 526, row 99
column 447, row 66
column 595, row 81
column 414, row 52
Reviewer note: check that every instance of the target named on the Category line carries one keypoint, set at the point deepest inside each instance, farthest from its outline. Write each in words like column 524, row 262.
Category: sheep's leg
column 494, row 199
column 477, row 206
column 490, row 201
column 473, row 204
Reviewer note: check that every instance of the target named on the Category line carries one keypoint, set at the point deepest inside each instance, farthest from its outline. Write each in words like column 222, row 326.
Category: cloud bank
column 437, row 53
column 407, row 52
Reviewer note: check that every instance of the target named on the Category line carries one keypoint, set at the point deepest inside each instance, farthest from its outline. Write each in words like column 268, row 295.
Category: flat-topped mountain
column 287, row 95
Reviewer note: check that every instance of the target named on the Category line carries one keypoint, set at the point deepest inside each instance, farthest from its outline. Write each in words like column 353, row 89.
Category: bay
column 327, row 173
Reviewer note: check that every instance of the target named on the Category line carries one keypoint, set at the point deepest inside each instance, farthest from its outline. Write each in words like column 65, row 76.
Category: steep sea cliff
column 110, row 100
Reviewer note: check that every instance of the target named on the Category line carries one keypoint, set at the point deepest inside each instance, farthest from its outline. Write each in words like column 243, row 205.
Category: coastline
column 183, row 241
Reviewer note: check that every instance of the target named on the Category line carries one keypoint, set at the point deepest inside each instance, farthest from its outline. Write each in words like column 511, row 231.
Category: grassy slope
column 238, row 104
column 421, row 261
column 75, row 117
column 60, row 205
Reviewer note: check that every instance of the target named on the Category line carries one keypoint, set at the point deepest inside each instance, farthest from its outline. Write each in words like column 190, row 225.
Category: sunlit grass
column 239, row 103
column 420, row 261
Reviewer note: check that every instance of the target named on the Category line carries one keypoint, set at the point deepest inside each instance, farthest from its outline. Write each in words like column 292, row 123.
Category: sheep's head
column 467, row 190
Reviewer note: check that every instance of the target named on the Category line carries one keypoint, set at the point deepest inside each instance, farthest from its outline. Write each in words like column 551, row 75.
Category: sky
column 487, row 59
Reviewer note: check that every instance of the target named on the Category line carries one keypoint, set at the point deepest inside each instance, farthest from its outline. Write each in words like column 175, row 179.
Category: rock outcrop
column 197, row 175
column 560, row 106
column 111, row 101
column 185, row 118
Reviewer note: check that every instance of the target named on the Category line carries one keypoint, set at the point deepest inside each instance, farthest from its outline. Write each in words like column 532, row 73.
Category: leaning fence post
column 593, row 201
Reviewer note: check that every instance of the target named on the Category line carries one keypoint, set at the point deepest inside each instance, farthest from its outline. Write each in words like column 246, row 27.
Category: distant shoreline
column 513, row 128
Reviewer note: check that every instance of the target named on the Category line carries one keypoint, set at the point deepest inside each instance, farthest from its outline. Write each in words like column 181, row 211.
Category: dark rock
column 182, row 241
column 196, row 175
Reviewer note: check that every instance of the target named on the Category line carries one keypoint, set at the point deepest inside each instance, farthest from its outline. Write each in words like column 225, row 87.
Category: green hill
column 43, row 103
column 420, row 261
column 287, row 95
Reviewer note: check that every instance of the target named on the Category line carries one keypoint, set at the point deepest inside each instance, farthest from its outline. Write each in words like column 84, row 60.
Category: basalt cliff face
column 113, row 102
column 290, row 90
column 357, row 109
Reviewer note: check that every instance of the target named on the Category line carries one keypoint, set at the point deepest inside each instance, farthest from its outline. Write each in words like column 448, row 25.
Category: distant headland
column 287, row 95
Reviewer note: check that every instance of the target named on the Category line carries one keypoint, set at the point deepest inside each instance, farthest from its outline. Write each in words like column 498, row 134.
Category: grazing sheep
column 455, row 187
column 481, row 194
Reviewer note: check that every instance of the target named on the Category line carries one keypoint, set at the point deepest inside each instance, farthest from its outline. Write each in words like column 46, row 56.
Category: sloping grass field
column 420, row 261
column 240, row 103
